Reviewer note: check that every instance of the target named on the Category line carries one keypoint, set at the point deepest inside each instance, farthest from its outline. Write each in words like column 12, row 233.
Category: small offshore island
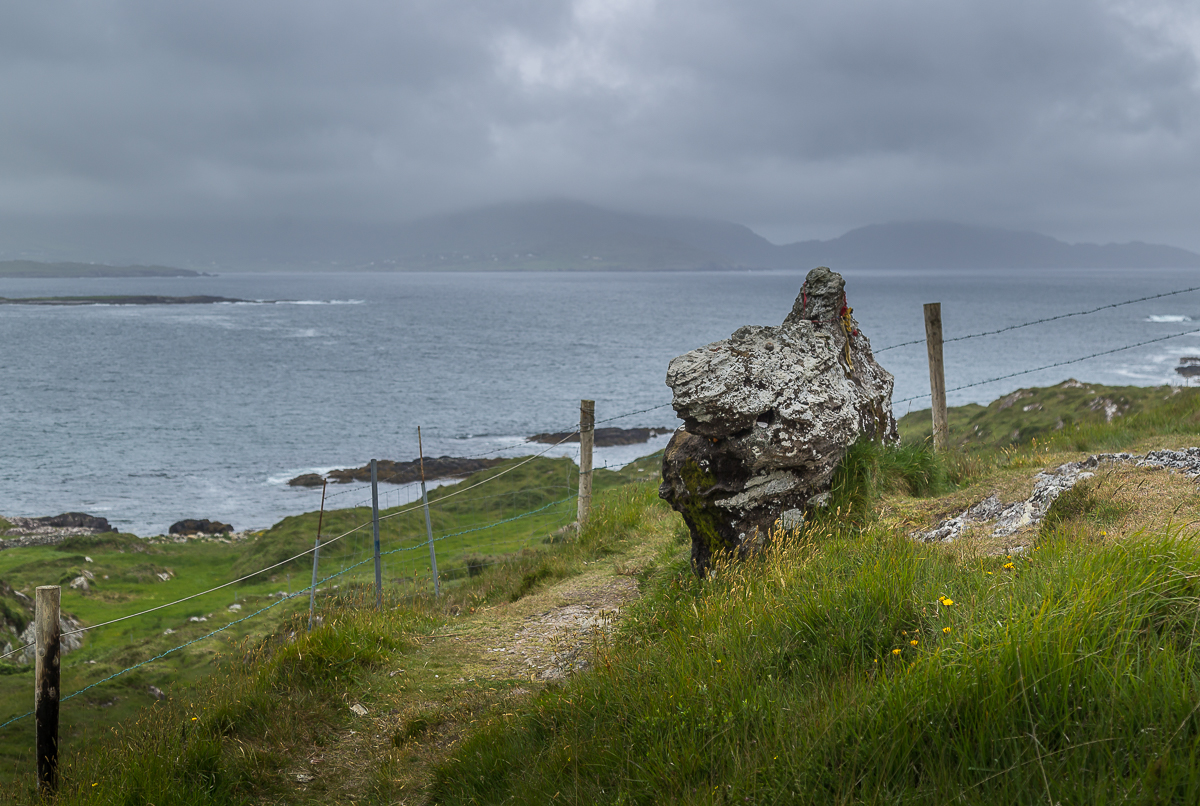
column 127, row 299
column 33, row 268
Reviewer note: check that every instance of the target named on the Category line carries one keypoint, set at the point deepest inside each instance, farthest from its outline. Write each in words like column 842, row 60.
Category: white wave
column 1168, row 317
column 320, row 302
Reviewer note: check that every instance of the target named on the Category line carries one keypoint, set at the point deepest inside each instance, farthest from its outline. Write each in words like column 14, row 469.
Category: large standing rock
column 767, row 416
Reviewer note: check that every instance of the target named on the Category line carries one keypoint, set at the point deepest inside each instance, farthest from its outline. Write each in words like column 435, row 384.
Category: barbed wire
column 299, row 593
column 1056, row 364
column 1041, row 321
column 516, row 446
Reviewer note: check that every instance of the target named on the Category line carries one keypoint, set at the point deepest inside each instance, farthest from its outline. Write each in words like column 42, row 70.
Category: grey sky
column 801, row 119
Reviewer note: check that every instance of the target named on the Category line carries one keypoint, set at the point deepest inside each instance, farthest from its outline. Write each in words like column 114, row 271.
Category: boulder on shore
column 767, row 416
column 203, row 526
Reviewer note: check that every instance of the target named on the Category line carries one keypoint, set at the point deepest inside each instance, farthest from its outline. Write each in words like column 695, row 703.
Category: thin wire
column 480, row 483
column 1042, row 321
column 218, row 587
column 15, row 651
column 1057, row 364
column 630, row 414
column 306, row 552
column 298, row 593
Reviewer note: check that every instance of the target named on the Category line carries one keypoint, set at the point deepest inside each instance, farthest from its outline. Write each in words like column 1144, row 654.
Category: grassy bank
column 849, row 664
column 470, row 533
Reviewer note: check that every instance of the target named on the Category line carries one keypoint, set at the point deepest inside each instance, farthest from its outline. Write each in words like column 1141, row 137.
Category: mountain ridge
column 562, row 235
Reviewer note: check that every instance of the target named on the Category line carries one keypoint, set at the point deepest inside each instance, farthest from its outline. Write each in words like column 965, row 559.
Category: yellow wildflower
column 946, row 602
column 913, row 642
column 946, row 630
column 895, row 652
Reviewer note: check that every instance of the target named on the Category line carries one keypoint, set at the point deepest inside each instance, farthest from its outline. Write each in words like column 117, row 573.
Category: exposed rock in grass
column 1007, row 519
column 67, row 643
column 768, row 415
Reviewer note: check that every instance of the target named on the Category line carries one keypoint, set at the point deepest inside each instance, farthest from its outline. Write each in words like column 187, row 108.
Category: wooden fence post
column 587, row 432
column 45, row 679
column 437, row 583
column 375, row 529
column 312, row 591
column 937, row 373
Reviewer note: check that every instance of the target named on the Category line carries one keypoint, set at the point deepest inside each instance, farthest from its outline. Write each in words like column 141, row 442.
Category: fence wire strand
column 298, row 594
column 1056, row 364
column 1041, row 321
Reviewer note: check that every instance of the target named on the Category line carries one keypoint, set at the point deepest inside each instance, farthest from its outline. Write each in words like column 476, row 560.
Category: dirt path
column 417, row 712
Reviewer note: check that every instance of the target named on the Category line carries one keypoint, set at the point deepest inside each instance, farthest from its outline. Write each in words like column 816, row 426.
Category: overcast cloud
column 801, row 119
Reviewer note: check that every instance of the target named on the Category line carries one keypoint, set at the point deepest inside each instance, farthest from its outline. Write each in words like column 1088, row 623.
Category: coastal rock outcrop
column 436, row 467
column 201, row 526
column 604, row 437
column 767, row 416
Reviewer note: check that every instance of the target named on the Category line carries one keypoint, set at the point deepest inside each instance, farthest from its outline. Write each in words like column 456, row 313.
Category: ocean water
column 150, row 414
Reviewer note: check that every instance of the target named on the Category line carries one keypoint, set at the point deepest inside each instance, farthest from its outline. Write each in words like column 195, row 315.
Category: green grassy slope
column 1061, row 411
column 847, row 665
column 125, row 568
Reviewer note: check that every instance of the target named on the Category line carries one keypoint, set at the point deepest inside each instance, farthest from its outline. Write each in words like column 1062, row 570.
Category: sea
column 148, row 414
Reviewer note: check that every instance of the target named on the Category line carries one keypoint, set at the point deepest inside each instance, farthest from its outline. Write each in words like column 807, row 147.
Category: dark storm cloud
column 805, row 119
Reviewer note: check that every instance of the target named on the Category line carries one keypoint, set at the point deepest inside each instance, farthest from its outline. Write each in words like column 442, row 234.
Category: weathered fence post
column 437, row 583
column 587, row 432
column 375, row 529
column 45, row 680
column 937, row 373
column 312, row 591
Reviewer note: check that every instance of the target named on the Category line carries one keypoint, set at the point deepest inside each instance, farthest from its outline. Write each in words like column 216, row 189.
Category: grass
column 848, row 664
column 867, row 669
column 276, row 702
column 1089, row 417
column 125, row 569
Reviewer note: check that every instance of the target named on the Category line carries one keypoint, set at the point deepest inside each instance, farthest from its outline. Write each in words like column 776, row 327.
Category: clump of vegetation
column 871, row 469
column 844, row 668
column 845, row 664
column 1081, row 416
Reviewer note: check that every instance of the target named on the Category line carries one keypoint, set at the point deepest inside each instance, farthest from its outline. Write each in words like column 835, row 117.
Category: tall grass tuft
column 871, row 468
column 841, row 669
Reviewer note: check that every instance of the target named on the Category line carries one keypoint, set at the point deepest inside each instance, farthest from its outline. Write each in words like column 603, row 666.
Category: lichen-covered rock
column 767, row 416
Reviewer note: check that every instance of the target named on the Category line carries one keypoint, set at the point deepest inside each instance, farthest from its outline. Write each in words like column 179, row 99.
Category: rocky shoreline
column 454, row 467
column 605, row 437
column 54, row 529
column 439, row 467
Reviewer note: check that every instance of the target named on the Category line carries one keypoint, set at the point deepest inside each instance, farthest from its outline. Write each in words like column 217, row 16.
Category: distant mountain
column 554, row 235
column 943, row 245
column 31, row 268
column 566, row 235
